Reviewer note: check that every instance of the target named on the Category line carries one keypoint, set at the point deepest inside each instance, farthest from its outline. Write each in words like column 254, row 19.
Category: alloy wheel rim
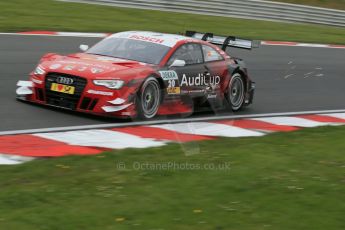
column 150, row 99
column 236, row 92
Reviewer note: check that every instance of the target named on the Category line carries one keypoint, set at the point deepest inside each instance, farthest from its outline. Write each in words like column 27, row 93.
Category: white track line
column 158, row 122
column 76, row 34
column 209, row 129
column 296, row 44
column 336, row 115
column 103, row 35
column 63, row 34
column 102, row 138
column 292, row 121
column 6, row 159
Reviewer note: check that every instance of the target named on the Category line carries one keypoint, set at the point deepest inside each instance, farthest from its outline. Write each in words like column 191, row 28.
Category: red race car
column 144, row 74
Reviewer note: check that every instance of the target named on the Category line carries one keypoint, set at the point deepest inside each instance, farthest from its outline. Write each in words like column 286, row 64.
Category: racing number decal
column 171, row 87
column 170, row 77
column 171, row 83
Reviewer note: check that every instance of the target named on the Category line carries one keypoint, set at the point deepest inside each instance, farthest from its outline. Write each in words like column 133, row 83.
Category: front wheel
column 236, row 92
column 149, row 98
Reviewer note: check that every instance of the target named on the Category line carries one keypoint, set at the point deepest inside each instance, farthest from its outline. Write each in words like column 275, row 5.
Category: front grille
column 69, row 101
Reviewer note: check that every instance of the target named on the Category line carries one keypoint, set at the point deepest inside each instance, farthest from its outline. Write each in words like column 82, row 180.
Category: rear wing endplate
column 224, row 41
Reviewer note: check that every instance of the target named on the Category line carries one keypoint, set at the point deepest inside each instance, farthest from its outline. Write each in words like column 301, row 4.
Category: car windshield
column 130, row 49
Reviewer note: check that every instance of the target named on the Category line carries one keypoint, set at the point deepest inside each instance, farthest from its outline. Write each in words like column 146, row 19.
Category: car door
column 217, row 68
column 191, row 74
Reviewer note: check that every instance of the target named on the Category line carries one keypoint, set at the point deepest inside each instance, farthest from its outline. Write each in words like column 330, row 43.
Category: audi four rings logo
column 64, row 80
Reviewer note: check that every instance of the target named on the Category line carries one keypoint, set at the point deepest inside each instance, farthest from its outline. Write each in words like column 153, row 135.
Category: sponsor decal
column 126, row 113
column 68, row 67
column 194, row 91
column 96, row 70
column 81, row 69
column 168, row 75
column 212, row 96
column 174, row 90
column 103, row 59
column 77, row 63
column 147, row 38
column 62, row 88
column 36, row 81
column 200, row 80
column 55, row 66
column 90, row 91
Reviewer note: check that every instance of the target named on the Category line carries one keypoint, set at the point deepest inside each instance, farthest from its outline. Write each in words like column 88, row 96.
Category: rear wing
column 224, row 41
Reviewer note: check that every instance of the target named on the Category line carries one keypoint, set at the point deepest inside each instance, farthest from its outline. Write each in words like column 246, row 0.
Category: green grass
column 335, row 4
column 23, row 15
column 281, row 181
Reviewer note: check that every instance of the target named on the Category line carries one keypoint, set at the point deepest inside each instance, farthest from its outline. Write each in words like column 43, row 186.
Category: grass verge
column 23, row 15
column 280, row 181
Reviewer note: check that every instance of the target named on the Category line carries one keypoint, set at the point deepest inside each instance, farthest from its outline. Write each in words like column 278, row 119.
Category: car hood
column 95, row 66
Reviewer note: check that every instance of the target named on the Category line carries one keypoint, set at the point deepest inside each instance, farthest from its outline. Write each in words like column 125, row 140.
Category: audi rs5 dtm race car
column 144, row 74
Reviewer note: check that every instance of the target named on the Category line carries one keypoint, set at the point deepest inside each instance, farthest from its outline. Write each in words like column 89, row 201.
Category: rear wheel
column 149, row 98
column 236, row 92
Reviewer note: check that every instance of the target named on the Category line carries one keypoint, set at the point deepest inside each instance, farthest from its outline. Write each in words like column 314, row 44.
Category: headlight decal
column 111, row 84
column 39, row 71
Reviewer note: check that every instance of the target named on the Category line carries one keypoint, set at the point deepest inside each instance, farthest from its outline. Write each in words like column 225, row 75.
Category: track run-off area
column 298, row 86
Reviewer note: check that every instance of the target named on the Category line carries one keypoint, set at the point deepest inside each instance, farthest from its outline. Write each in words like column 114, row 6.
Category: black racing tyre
column 149, row 98
column 236, row 92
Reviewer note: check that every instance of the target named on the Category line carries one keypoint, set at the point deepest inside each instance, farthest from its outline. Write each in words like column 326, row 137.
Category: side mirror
column 83, row 47
column 178, row 63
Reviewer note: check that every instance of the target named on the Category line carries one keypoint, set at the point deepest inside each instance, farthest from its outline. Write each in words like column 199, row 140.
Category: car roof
column 169, row 40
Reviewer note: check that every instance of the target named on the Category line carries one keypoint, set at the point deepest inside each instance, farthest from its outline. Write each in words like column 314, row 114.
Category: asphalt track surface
column 288, row 79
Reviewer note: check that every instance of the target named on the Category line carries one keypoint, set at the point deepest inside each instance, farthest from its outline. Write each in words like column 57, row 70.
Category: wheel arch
column 243, row 77
column 142, row 80
column 243, row 74
column 139, row 91
column 160, row 81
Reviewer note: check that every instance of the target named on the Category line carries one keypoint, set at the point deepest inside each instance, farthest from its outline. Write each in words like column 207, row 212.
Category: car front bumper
column 97, row 101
